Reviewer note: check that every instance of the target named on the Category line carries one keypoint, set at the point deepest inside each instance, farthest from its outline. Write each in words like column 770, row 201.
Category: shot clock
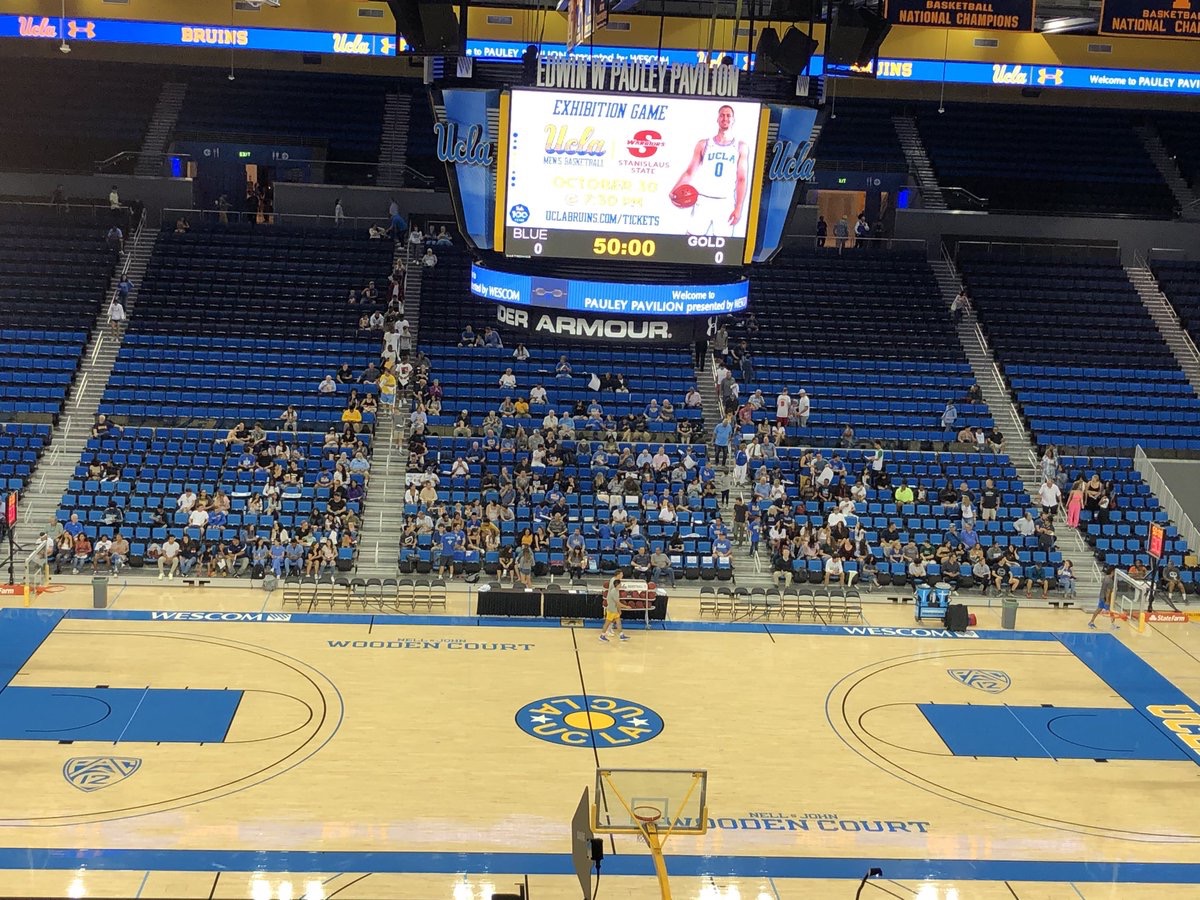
column 630, row 177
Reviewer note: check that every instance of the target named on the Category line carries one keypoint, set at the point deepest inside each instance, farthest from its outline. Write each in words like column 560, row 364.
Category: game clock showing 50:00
column 615, row 246
column 693, row 249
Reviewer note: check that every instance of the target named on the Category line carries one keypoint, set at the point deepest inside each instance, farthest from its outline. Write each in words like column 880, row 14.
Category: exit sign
column 244, row 154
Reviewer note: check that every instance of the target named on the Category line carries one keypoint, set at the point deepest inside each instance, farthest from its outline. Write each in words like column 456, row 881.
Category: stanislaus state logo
column 644, row 144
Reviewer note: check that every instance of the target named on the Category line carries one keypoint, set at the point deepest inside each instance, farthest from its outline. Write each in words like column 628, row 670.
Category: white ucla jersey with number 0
column 717, row 173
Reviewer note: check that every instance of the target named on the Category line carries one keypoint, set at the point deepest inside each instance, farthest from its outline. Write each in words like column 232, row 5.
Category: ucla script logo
column 91, row 773
column 990, row 681
column 581, row 721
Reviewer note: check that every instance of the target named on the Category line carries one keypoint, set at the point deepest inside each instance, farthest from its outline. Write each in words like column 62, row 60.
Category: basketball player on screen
column 717, row 174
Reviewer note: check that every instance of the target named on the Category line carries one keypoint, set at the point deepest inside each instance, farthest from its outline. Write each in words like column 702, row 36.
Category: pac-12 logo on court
column 579, row 721
column 990, row 681
column 91, row 773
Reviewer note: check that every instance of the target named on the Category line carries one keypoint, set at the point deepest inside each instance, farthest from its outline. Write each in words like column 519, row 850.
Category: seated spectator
column 344, row 374
column 576, row 562
column 1025, row 526
column 508, row 381
column 442, row 239
column 168, row 560
column 722, row 550
column 563, row 368
column 103, row 427
column 520, row 353
column 81, row 552
column 429, row 260
column 186, row 501
column 327, row 385
column 491, row 338
column 101, row 554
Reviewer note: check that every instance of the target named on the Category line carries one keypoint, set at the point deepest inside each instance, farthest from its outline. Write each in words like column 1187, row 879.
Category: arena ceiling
column 1053, row 16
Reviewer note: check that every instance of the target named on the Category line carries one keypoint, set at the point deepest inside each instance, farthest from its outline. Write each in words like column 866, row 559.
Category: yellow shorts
column 612, row 617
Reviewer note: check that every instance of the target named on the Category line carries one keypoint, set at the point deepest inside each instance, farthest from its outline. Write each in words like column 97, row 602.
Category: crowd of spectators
column 641, row 482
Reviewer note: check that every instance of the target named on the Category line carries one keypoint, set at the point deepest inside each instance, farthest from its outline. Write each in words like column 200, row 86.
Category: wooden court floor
column 207, row 744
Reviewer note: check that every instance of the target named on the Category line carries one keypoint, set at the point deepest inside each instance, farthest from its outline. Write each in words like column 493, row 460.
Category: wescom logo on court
column 221, row 617
column 872, row 631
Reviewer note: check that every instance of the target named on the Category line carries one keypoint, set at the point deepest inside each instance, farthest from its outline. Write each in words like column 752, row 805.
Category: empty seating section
column 1084, row 359
column 53, row 279
column 341, row 113
column 21, row 445
column 231, row 325
column 241, row 323
column 222, row 380
column 1118, row 531
column 1053, row 160
column 919, row 523
column 861, row 131
column 1180, row 134
column 1180, row 281
column 869, row 338
column 68, row 115
column 146, row 469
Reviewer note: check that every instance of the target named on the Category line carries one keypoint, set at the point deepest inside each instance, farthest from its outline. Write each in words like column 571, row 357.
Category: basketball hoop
column 652, row 804
column 647, row 816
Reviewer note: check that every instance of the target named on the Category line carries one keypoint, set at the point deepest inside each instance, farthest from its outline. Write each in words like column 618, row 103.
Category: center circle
column 589, row 720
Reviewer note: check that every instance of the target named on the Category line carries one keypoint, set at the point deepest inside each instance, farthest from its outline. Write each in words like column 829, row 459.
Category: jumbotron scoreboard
column 609, row 176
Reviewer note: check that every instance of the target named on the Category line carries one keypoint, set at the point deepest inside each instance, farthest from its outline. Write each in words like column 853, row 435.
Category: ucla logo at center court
column 579, row 721
column 990, row 681
column 91, row 773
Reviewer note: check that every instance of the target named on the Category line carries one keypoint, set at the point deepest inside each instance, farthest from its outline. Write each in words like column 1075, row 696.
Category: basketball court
column 241, row 751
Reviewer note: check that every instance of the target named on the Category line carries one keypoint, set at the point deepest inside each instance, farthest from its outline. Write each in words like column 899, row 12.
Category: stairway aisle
column 162, row 124
column 70, row 435
column 1165, row 317
column 383, row 519
column 748, row 570
column 1019, row 443
column 918, row 162
column 393, row 140
column 1165, row 163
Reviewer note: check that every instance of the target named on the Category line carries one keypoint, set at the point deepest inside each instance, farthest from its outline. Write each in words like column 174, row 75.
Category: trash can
column 1008, row 614
column 100, row 593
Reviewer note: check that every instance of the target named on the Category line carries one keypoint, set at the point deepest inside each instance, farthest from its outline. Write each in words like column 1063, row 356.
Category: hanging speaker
column 767, row 52
column 795, row 51
column 854, row 36
column 428, row 28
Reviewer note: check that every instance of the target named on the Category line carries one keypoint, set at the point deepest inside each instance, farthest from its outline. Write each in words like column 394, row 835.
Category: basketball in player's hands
column 685, row 196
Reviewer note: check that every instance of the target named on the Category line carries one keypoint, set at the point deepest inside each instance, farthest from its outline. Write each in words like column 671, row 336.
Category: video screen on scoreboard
column 619, row 176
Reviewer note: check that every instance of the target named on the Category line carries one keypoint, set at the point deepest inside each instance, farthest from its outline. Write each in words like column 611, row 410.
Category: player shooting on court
column 715, row 176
